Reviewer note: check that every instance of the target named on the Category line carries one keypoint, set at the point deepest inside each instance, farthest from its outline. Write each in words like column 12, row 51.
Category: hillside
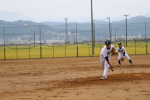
column 53, row 30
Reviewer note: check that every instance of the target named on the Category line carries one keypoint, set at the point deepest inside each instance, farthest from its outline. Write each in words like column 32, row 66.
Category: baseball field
column 74, row 79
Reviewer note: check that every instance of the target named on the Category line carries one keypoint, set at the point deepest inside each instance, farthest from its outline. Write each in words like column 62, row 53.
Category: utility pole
column 109, row 28
column 94, row 32
column 76, row 33
column 126, row 29
column 66, row 19
column 92, row 27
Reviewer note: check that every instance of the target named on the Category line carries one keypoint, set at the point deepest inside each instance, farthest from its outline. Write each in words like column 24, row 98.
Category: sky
column 74, row 10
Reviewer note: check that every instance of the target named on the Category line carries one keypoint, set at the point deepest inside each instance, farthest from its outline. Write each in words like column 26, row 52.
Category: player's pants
column 104, row 64
column 121, row 55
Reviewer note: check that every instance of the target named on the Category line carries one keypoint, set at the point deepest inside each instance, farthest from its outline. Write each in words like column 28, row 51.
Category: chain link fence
column 73, row 40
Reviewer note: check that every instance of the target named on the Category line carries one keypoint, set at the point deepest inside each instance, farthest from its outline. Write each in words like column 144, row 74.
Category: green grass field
column 70, row 50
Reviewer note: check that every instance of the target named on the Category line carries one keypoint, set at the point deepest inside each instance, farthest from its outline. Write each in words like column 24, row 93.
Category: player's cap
column 107, row 42
column 119, row 43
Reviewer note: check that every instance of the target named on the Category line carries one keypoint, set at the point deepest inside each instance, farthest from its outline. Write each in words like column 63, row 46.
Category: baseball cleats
column 132, row 64
column 119, row 65
column 102, row 78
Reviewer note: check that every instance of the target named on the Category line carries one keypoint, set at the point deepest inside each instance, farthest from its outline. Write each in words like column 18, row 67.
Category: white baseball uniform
column 121, row 51
column 105, row 53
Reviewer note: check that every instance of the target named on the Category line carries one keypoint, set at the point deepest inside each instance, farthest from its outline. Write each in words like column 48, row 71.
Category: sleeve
column 117, row 50
column 123, row 53
column 124, row 50
column 104, row 53
column 106, row 58
column 112, row 46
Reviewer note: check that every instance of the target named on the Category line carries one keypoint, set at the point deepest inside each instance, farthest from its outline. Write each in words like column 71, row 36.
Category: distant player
column 122, row 54
column 105, row 58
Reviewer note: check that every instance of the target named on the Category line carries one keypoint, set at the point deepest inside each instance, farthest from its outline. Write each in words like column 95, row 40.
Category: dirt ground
column 74, row 79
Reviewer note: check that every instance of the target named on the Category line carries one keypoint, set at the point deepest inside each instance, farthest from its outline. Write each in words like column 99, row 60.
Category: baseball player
column 122, row 54
column 105, row 58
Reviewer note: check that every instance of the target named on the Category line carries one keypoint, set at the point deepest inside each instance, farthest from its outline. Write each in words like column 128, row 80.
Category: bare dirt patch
column 74, row 78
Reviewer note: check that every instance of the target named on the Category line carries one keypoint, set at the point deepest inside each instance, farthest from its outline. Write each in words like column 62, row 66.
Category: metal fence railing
column 53, row 50
column 71, row 40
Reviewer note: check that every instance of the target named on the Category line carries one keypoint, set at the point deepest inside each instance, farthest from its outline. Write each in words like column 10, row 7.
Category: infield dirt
column 74, row 79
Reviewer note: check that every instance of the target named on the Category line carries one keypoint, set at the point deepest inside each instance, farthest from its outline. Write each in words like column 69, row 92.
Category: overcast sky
column 75, row 10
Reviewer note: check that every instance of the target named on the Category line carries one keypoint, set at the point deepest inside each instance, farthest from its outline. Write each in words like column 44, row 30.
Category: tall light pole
column 66, row 19
column 109, row 28
column 126, row 29
column 94, row 32
column 92, row 27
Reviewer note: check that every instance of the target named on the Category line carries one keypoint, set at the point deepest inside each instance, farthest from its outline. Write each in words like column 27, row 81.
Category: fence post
column 29, row 51
column 89, row 49
column 4, row 53
column 100, row 46
column 16, row 52
column 40, row 42
column 53, row 50
column 4, row 44
column 65, row 49
column 135, row 47
column 146, row 48
column 77, row 49
column 124, row 42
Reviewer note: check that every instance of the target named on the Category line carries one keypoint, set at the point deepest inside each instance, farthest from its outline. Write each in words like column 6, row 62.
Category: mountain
column 17, row 23
column 10, row 16
column 52, row 23
column 52, row 30
column 147, row 15
column 137, row 19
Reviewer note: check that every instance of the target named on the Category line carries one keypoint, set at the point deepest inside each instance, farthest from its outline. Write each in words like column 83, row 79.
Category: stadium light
column 66, row 19
column 92, row 27
column 109, row 28
column 126, row 29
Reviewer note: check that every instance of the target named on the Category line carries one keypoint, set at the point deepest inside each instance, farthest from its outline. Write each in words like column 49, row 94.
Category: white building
column 129, row 37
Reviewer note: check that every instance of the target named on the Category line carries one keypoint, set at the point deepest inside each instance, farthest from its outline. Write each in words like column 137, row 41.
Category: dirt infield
column 74, row 79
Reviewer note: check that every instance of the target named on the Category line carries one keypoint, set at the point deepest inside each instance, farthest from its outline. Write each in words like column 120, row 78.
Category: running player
column 122, row 54
column 105, row 58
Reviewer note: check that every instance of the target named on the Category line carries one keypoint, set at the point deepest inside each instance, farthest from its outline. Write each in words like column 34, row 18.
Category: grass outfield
column 70, row 50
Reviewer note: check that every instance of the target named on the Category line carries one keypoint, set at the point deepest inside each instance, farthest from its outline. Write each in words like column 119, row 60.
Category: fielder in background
column 122, row 54
column 105, row 58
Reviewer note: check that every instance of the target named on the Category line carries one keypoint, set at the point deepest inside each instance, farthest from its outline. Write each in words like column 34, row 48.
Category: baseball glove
column 113, row 52
column 122, row 59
